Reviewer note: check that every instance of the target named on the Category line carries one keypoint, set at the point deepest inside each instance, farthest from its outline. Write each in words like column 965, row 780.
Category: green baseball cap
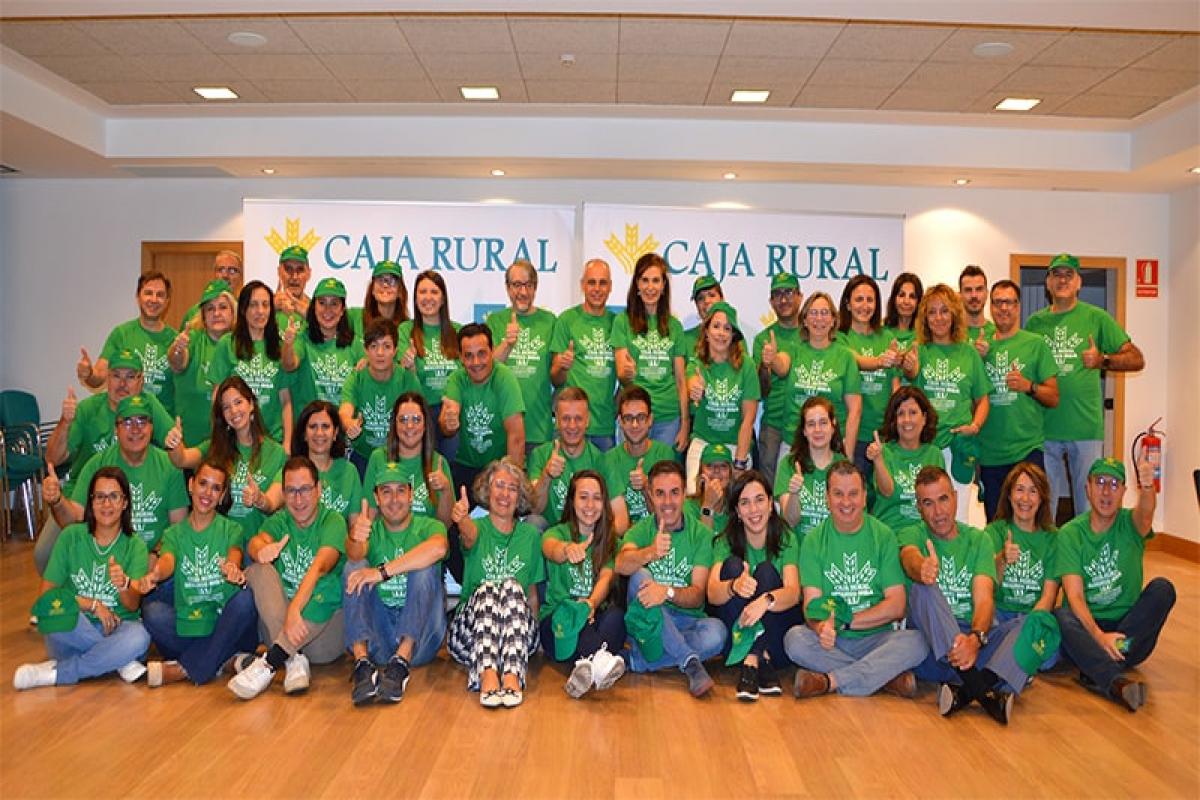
column 1064, row 260
column 823, row 607
column 567, row 621
column 215, row 289
column 784, row 280
column 385, row 268
column 741, row 640
column 704, row 283
column 126, row 359
column 293, row 253
column 964, row 457
column 730, row 313
column 715, row 453
column 57, row 610
column 392, row 472
column 330, row 287
column 645, row 626
column 1040, row 636
column 1108, row 466
column 136, row 405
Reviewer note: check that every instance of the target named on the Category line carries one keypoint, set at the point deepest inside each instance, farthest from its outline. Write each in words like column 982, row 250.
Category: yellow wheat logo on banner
column 292, row 227
column 630, row 250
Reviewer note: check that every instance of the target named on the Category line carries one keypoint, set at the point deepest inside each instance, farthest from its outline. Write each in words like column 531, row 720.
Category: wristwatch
column 741, row 463
column 383, row 571
column 1104, row 361
column 770, row 600
column 981, row 636
column 670, row 592
column 1032, row 389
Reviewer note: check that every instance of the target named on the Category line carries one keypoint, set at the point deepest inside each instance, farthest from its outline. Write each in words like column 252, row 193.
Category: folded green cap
column 1064, row 260
column 385, row 268
column 56, row 610
column 741, row 640
column 715, row 454
column 293, row 253
column 136, row 405
column 645, row 625
column 215, row 289
column 1108, row 466
column 704, row 283
column 964, row 457
column 330, row 287
column 126, row 359
column 1039, row 638
column 784, row 280
column 822, row 607
column 392, row 472
column 567, row 621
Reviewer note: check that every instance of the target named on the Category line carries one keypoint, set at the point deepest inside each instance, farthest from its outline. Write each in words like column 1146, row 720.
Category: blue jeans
column 603, row 443
column 1051, row 660
column 665, row 432
column 446, row 445
column 683, row 635
column 769, row 442
column 86, row 652
column 202, row 656
column 929, row 613
column 993, row 477
column 775, row 624
column 607, row 629
column 422, row 617
column 1080, row 456
column 860, row 665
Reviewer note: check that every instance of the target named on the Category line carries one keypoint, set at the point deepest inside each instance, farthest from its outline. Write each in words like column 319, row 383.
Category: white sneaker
column 296, row 674
column 253, row 680
column 132, row 671
column 607, row 668
column 31, row 676
column 580, row 682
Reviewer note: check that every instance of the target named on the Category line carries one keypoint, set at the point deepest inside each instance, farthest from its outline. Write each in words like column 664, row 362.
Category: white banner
column 743, row 250
column 469, row 244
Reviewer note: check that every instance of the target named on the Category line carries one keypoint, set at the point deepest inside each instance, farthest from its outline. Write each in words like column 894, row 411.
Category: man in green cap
column 773, row 350
column 551, row 465
column 951, row 602
column 227, row 267
column 394, row 597
column 627, row 464
column 1085, row 341
column 294, row 272
column 1109, row 622
column 583, row 355
column 706, row 290
column 522, row 335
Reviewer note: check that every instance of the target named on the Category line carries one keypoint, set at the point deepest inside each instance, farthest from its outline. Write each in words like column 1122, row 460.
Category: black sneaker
column 952, row 698
column 768, row 681
column 747, row 685
column 393, row 679
column 998, row 705
column 366, row 683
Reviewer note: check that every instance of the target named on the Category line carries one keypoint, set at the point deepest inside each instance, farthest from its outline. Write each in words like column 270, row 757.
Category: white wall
column 69, row 250
column 1183, row 338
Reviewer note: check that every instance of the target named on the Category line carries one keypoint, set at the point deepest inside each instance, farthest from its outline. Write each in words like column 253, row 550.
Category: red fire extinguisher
column 1151, row 444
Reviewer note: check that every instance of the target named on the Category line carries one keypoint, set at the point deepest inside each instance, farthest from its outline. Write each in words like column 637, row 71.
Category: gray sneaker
column 699, row 681
column 581, row 679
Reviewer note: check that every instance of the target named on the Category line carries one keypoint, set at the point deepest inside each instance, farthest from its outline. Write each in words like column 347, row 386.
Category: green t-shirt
column 789, row 553
column 691, row 547
column 341, row 490
column 989, row 330
column 953, row 378
column 373, row 401
column 856, row 567
column 1109, row 563
column 422, row 504
column 589, row 458
column 324, row 369
column 691, row 337
column 786, row 341
column 876, row 383
column 1014, row 424
column 94, row 428
column 529, row 361
column 193, row 392
column 692, row 511
column 328, row 529
column 594, row 369
column 654, row 357
column 385, row 545
column 900, row 510
column 152, row 347
column 617, row 466
column 904, row 338
column 718, row 416
column 569, row 581
column 433, row 369
column 268, row 471
column 1023, row 581
column 485, row 406
column 77, row 561
column 813, row 508
column 831, row 373
column 1080, row 411
column 960, row 559
column 266, row 378
column 497, row 556
column 201, row 591
column 155, row 489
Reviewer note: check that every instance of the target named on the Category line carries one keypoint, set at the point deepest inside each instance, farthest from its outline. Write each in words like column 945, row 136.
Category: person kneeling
column 395, row 609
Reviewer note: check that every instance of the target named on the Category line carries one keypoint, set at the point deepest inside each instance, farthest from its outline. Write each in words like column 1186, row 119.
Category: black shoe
column 952, row 698
column 393, row 679
column 366, row 683
column 768, row 681
column 1129, row 693
column 747, row 685
column 998, row 705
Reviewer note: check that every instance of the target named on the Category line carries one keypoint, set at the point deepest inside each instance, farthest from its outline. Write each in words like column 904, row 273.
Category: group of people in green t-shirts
column 597, row 487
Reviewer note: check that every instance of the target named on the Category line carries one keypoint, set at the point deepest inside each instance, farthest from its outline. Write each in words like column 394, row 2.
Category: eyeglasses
column 819, row 313
column 1002, row 303
column 505, row 486
column 390, row 281
column 228, row 272
column 107, row 498
column 521, row 285
column 134, row 422
column 410, row 419
column 635, row 419
column 783, row 294
column 1109, row 483
column 297, row 491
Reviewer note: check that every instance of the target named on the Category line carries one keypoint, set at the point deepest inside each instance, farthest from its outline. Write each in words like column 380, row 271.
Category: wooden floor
column 644, row 739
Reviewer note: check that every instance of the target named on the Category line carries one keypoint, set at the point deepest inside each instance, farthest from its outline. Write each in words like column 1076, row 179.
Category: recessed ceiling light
column 1017, row 103
column 246, row 39
column 992, row 49
column 215, row 92
column 497, row 173
column 479, row 92
column 728, row 205
column 961, row 181
column 500, row 201
column 749, row 96
column 268, row 171
column 729, row 176
column 1195, row 170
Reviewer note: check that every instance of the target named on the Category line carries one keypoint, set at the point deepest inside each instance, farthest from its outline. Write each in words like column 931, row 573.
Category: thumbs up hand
column 982, row 346
column 409, row 359
column 889, row 357
column 289, row 333
column 251, row 494
column 51, row 487
column 69, row 405
column 744, row 585
column 1011, row 551
column 875, row 448
column 361, row 531
column 512, row 331
column 695, row 387
column 1092, row 357
column 930, row 566
column 556, row 464
column 450, row 417
column 911, row 362
column 827, row 632
column 567, row 359
column 437, row 481
column 662, row 541
column 116, row 574
column 1016, row 382
column 174, row 437
column 462, row 506
column 576, row 552
column 355, row 428
column 180, row 345
column 769, row 351
column 83, row 367
column 269, row 552
column 796, row 483
column 1145, row 473
column 637, row 476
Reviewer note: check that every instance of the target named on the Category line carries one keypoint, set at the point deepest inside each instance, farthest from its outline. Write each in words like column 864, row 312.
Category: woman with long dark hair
column 329, row 350
column 901, row 318
column 431, row 338
column 386, row 298
column 877, row 353
column 905, row 446
column 800, row 479
column 318, row 435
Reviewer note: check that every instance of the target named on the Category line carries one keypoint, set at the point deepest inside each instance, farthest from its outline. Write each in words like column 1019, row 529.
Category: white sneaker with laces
column 31, row 676
column 296, row 674
column 132, row 671
column 607, row 668
column 580, row 682
column 253, row 680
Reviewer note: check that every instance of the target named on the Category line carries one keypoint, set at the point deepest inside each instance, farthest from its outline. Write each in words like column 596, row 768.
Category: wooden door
column 188, row 265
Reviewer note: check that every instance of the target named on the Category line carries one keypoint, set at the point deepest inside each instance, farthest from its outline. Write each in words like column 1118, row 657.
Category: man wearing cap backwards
column 158, row 497
column 627, row 464
column 973, row 289
column 393, row 599
column 951, row 603
column 227, row 266
column 706, row 290
column 552, row 464
column 290, row 300
column 1085, row 341
column 851, row 558
column 522, row 335
column 146, row 334
column 1109, row 622
column 583, row 355
column 667, row 558
column 773, row 350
